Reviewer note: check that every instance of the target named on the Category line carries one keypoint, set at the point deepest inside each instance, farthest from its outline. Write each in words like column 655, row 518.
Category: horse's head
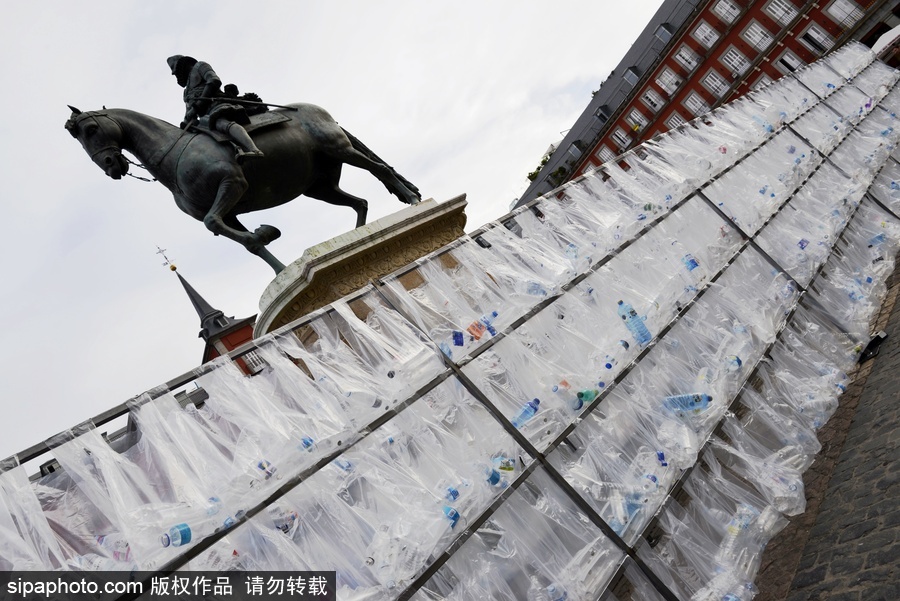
column 101, row 138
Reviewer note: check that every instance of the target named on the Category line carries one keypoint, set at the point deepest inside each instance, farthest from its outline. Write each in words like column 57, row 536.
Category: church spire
column 213, row 322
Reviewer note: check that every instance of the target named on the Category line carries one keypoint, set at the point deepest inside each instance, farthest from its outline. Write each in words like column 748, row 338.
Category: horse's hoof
column 266, row 234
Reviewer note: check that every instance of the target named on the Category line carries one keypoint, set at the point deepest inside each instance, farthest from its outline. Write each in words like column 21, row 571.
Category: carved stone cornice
column 346, row 263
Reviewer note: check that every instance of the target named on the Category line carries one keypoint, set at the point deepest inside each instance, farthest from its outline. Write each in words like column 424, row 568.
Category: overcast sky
column 460, row 99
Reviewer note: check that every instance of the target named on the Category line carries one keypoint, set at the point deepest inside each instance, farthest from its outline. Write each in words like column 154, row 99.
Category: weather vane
column 168, row 261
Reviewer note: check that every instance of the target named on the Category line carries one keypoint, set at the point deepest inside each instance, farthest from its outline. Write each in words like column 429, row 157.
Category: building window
column 844, row 12
column 705, row 34
column 668, row 80
column 631, row 75
column 687, row 58
column 817, row 39
column 605, row 154
column 782, row 11
column 735, row 61
column 763, row 80
column 602, row 113
column 621, row 138
column 676, row 120
column 715, row 83
column 664, row 32
column 652, row 99
column 727, row 10
column 758, row 36
column 254, row 362
column 788, row 63
column 696, row 104
column 636, row 120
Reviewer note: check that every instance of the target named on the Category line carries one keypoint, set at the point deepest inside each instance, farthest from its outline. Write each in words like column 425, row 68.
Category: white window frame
column 706, row 34
column 727, row 10
column 696, row 104
column 788, row 57
column 687, row 58
column 715, row 83
column 621, row 137
column 783, row 11
column 844, row 12
column 652, row 100
column 668, row 80
column 821, row 42
column 604, row 154
column 675, row 120
column 758, row 36
column 763, row 81
column 735, row 60
column 636, row 120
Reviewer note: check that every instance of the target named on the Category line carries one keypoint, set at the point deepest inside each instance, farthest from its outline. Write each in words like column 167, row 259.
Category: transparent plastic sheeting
column 604, row 338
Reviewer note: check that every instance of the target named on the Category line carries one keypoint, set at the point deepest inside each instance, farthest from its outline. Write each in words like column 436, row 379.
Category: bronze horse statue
column 304, row 153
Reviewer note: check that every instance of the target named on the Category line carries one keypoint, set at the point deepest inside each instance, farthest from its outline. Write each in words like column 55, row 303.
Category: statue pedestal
column 337, row 267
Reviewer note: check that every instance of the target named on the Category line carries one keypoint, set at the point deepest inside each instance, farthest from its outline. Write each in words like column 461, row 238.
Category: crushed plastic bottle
column 586, row 396
column 634, row 323
column 266, row 468
column 526, row 413
column 683, row 404
column 284, row 519
column 116, row 546
column 494, row 478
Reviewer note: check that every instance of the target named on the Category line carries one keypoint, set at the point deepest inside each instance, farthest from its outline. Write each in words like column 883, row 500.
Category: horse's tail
column 360, row 147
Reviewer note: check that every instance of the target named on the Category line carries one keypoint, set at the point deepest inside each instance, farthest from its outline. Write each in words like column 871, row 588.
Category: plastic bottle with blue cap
column 634, row 323
column 526, row 413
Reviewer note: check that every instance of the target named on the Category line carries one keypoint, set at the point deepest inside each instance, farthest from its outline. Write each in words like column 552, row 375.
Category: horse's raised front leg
column 259, row 250
column 231, row 189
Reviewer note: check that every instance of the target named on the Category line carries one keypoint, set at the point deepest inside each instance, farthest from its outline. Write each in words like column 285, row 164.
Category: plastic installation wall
column 511, row 416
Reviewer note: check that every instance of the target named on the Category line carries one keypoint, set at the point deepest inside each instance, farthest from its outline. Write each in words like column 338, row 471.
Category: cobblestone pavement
column 846, row 546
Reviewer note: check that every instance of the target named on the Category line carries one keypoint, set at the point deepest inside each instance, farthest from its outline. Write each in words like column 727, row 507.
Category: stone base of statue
column 346, row 263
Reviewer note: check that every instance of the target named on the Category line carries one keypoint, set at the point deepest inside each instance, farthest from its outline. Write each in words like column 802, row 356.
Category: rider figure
column 203, row 99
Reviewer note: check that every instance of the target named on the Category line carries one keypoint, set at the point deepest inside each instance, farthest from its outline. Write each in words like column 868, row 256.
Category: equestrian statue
column 232, row 155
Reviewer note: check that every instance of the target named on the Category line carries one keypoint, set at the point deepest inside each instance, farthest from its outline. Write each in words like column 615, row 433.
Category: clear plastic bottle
column 691, row 277
column 452, row 515
column 736, row 535
column 177, row 536
column 564, row 391
column 634, row 323
column 526, row 413
column 91, row 562
column 488, row 321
